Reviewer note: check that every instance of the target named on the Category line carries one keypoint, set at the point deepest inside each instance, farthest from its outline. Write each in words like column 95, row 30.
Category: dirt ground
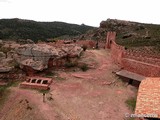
column 96, row 94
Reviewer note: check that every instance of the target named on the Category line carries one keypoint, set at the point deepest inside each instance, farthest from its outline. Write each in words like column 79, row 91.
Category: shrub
column 70, row 64
column 131, row 103
column 44, row 91
column 4, row 91
column 84, row 67
column 84, row 47
column 14, row 64
column 49, row 73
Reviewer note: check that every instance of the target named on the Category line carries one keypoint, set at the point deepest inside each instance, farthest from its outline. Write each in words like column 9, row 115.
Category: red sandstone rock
column 41, row 56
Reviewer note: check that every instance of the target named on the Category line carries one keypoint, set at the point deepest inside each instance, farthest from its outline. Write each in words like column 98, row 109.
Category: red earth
column 96, row 94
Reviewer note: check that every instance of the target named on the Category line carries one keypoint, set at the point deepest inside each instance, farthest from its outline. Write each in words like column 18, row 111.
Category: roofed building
column 148, row 99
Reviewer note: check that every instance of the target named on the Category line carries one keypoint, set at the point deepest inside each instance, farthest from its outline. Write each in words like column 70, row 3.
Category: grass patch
column 131, row 103
column 13, row 64
column 70, row 64
column 49, row 74
column 4, row 93
column 14, row 83
column 44, row 91
column 131, row 119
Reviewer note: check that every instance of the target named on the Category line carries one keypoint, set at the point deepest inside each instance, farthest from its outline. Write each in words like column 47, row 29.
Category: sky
column 88, row 12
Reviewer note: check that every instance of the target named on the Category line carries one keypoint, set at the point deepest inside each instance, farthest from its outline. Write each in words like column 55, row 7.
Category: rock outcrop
column 1, row 42
column 5, row 63
column 4, row 69
column 2, row 55
column 121, row 27
column 37, row 56
column 116, row 22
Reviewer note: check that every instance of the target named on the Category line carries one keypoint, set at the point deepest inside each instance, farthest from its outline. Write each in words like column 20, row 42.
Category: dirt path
column 43, row 110
column 92, row 95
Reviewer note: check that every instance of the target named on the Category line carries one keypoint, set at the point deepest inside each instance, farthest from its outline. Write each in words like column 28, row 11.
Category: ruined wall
column 111, row 36
column 117, row 52
column 134, row 61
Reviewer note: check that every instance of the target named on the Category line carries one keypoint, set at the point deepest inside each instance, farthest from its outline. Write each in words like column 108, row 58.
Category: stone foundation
column 37, row 83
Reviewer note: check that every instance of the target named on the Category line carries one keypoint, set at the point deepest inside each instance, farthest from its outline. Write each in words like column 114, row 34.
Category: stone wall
column 134, row 61
column 117, row 52
column 143, row 68
column 142, row 56
column 37, row 83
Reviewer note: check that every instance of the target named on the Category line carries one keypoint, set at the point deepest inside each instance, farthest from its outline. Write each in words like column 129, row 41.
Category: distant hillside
column 132, row 34
column 27, row 29
column 129, row 34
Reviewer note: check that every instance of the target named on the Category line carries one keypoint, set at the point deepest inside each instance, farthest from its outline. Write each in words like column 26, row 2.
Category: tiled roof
column 148, row 99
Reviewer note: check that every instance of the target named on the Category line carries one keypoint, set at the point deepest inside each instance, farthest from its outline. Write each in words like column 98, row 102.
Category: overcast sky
column 89, row 12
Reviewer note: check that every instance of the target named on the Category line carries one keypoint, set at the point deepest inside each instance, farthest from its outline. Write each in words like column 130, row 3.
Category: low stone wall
column 36, row 83
column 143, row 68
column 35, row 86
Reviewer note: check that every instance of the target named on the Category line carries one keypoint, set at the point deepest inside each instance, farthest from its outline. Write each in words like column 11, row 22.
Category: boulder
column 39, row 56
column 36, row 65
column 6, row 64
column 35, row 56
column 4, row 69
column 1, row 42
column 10, row 54
column 2, row 55
column 7, row 61
column 75, row 51
column 72, row 50
column 40, row 52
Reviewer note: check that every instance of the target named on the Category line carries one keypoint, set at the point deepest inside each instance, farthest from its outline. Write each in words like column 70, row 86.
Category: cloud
column 4, row 1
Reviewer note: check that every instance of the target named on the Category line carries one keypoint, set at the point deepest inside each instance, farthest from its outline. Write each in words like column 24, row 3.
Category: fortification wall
column 142, row 56
column 117, row 52
column 139, row 67
column 134, row 61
